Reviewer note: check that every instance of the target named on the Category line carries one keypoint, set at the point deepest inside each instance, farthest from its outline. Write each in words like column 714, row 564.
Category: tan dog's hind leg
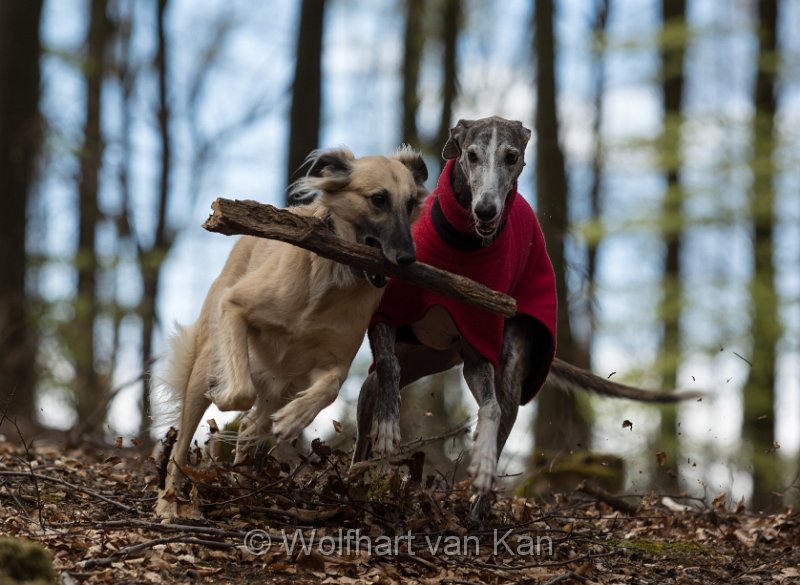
column 290, row 420
column 236, row 390
column 193, row 406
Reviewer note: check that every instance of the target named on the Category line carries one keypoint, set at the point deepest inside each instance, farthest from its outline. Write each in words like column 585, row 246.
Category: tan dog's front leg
column 254, row 427
column 236, row 390
column 290, row 420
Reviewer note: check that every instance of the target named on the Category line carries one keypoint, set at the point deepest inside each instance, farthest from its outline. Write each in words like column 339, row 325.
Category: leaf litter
column 317, row 520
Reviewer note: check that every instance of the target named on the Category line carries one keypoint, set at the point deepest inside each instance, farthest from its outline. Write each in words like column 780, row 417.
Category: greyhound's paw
column 385, row 437
column 482, row 469
column 289, row 421
column 233, row 397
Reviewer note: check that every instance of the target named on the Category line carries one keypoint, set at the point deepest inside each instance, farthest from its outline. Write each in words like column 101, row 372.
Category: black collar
column 451, row 236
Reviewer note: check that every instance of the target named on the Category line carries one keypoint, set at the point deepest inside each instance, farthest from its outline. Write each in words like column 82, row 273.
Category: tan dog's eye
column 412, row 203
column 379, row 199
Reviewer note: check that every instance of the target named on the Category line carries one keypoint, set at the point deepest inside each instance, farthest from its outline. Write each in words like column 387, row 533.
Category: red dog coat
column 515, row 263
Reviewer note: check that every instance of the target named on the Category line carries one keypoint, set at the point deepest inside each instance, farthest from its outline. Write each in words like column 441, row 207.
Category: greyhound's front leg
column 236, row 390
column 385, row 426
column 479, row 375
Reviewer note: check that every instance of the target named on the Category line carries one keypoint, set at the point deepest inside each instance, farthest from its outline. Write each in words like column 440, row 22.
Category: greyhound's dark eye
column 472, row 157
column 379, row 199
column 511, row 158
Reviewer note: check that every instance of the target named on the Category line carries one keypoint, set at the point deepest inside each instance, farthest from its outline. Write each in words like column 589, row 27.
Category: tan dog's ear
column 328, row 171
column 452, row 148
column 330, row 163
column 416, row 164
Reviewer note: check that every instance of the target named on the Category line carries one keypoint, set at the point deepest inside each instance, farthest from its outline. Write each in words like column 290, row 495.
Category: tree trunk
column 595, row 190
column 444, row 389
column 20, row 141
column 451, row 27
column 412, row 56
column 759, row 390
column 672, row 218
column 152, row 260
column 87, row 382
column 439, row 394
column 422, row 397
column 559, row 424
column 304, row 119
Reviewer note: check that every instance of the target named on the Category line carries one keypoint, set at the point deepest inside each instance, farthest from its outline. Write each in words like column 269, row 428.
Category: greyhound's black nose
column 405, row 258
column 486, row 211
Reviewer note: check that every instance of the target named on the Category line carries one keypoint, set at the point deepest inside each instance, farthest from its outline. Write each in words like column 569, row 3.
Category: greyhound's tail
column 167, row 395
column 571, row 378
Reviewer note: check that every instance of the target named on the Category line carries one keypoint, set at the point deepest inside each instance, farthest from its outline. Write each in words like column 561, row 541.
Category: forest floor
column 318, row 521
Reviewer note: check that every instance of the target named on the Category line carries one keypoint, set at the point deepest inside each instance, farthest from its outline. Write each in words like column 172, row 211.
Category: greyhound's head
column 373, row 200
column 490, row 154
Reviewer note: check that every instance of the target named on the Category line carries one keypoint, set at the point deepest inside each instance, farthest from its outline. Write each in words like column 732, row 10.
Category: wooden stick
column 265, row 221
column 614, row 501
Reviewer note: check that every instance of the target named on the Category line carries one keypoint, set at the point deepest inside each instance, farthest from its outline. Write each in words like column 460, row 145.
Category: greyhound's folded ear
column 452, row 148
column 416, row 164
column 524, row 133
column 328, row 171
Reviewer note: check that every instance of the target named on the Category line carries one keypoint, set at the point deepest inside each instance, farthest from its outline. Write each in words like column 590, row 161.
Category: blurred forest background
column 664, row 168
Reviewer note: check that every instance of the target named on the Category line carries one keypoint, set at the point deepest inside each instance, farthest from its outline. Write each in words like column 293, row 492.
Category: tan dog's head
column 377, row 196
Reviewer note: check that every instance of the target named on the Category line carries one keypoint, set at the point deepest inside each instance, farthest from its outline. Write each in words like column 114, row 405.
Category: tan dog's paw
column 289, row 421
column 166, row 506
column 385, row 437
column 233, row 398
column 169, row 507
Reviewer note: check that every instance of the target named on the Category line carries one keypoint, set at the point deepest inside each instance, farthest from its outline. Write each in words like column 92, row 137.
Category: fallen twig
column 522, row 566
column 417, row 443
column 38, row 476
column 614, row 501
column 157, row 526
column 565, row 577
column 166, row 452
column 128, row 550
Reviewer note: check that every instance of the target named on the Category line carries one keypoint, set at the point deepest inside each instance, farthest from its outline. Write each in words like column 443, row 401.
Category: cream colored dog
column 281, row 325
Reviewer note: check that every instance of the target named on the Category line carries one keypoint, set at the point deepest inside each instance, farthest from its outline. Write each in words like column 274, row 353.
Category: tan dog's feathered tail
column 168, row 393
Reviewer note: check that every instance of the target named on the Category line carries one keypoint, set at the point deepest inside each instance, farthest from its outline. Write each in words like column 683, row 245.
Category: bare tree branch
column 265, row 221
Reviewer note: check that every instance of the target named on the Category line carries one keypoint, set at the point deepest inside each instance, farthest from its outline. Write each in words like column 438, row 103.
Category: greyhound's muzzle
column 487, row 216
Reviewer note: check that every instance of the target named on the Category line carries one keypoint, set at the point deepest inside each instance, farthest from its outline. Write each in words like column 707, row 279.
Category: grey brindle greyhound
column 489, row 157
